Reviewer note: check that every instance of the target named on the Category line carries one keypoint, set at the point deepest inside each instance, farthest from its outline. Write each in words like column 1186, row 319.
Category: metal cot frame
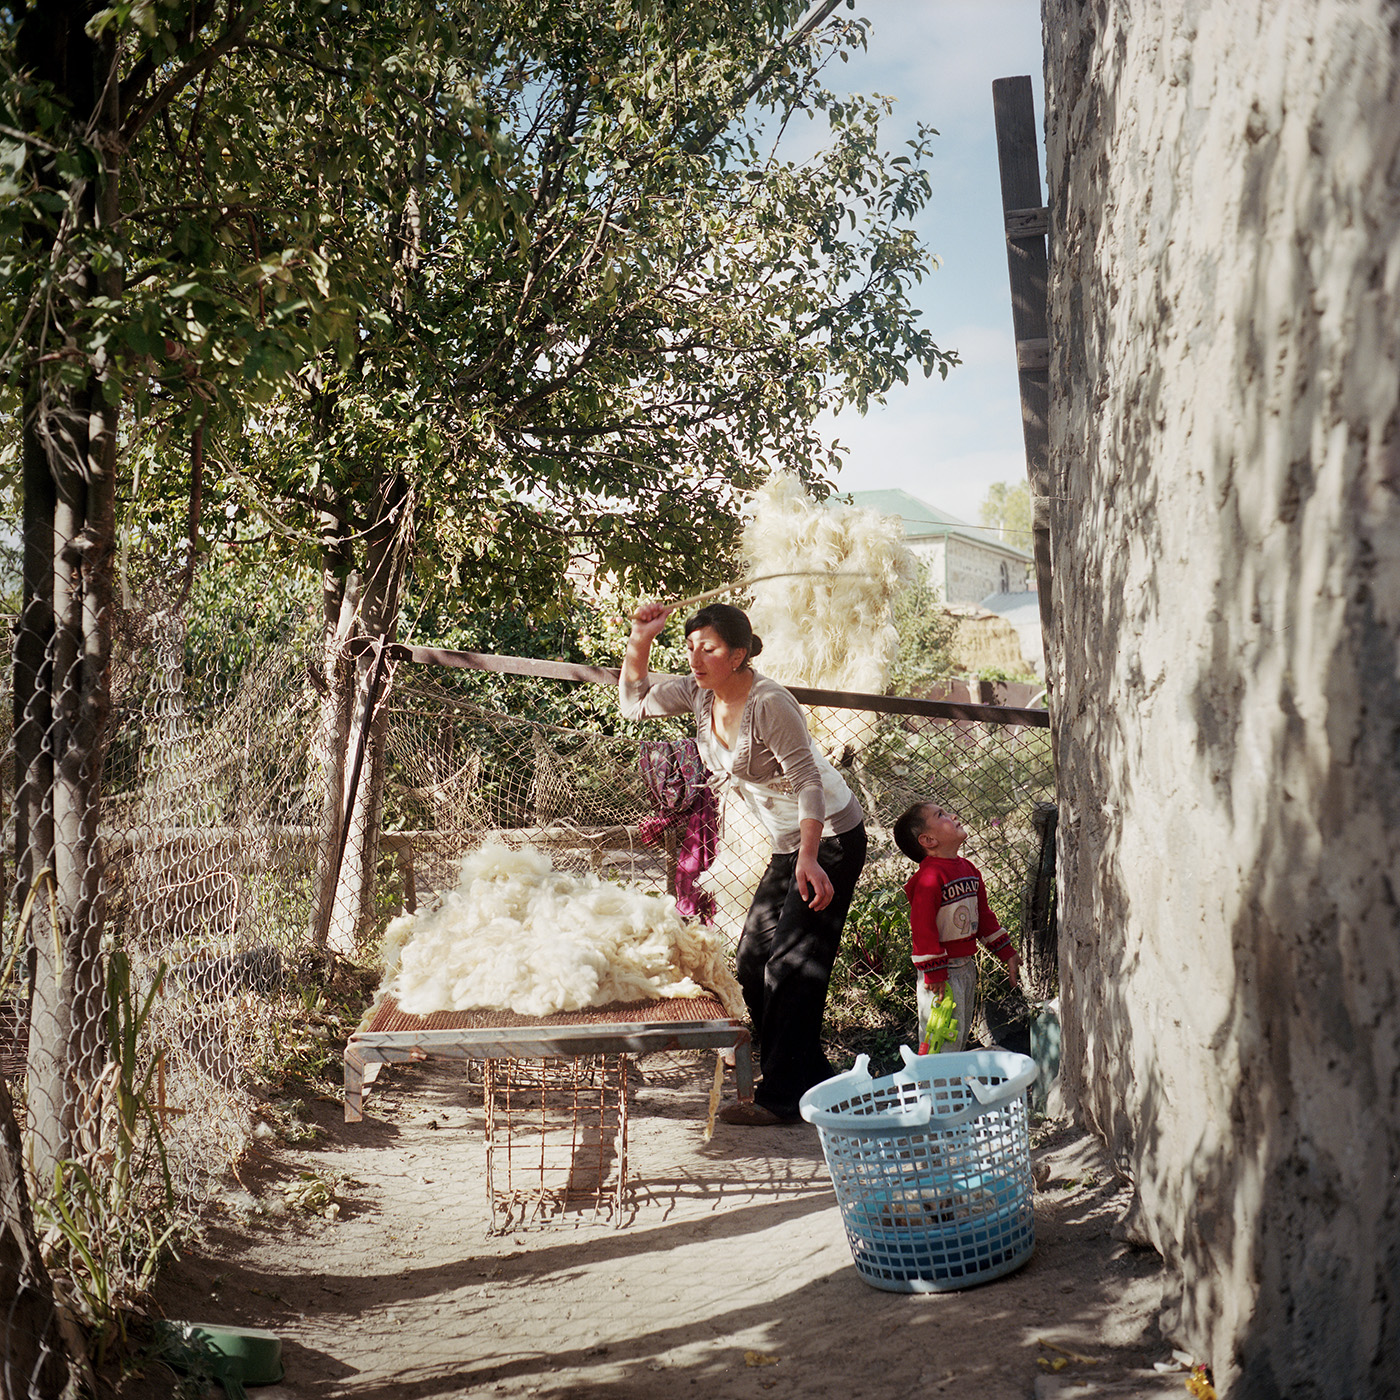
column 390, row 1036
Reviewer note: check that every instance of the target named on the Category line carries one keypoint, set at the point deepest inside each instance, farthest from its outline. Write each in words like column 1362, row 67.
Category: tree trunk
column 1039, row 933
column 352, row 908
column 32, row 679
column 70, row 435
column 341, row 599
column 34, row 1364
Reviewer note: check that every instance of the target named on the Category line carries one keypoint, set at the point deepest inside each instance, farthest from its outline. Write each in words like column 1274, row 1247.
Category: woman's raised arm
column 647, row 623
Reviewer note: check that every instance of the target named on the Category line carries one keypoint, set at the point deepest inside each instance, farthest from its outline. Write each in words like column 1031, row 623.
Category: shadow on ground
column 729, row 1274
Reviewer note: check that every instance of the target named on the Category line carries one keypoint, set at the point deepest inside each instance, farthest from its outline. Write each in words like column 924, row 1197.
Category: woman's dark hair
column 731, row 626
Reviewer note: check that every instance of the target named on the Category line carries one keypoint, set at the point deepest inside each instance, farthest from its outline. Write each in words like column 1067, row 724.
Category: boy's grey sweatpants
column 962, row 981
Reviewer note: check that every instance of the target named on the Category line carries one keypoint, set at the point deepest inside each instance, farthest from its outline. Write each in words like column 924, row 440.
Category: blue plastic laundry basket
column 932, row 1167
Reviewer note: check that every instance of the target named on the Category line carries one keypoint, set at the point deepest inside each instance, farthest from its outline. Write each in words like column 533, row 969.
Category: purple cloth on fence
column 679, row 786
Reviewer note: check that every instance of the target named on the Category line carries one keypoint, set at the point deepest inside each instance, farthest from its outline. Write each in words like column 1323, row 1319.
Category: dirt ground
column 728, row 1276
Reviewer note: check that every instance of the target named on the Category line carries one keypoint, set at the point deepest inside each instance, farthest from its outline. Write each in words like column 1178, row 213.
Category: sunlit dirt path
column 728, row 1277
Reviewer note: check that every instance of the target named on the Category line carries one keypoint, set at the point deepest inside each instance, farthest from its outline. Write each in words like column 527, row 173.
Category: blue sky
column 947, row 441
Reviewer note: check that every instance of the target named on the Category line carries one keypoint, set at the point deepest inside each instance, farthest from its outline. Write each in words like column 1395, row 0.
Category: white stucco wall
column 974, row 572
column 965, row 572
column 931, row 554
column 1224, row 177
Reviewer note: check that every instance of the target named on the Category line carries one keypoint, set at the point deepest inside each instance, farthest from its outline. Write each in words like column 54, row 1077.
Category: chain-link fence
column 459, row 773
column 224, row 872
column 210, row 837
column 136, row 1018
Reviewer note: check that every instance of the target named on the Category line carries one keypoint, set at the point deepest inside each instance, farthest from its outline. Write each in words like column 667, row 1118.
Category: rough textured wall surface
column 1224, row 177
column 934, row 559
column 962, row 572
column 974, row 573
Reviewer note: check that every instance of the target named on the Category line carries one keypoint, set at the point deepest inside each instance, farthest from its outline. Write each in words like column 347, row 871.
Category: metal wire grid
column 208, row 875
column 459, row 774
column 132, row 1023
column 556, row 1137
column 210, row 836
column 992, row 775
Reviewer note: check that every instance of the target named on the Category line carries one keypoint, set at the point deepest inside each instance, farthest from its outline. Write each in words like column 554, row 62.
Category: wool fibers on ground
column 516, row 934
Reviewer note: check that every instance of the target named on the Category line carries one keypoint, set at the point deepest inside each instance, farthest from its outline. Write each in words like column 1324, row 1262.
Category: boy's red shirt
column 949, row 915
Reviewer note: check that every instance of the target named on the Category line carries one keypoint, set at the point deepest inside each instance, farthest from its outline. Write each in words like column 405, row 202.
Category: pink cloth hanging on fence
column 679, row 786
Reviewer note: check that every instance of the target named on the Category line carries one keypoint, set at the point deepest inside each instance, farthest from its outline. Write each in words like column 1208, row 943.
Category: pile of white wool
column 830, row 625
column 516, row 934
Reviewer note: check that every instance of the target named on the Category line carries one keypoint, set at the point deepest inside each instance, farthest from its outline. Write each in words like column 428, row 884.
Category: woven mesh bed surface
column 386, row 1016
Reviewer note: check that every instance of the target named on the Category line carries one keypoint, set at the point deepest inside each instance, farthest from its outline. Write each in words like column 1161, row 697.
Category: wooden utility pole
column 1027, row 226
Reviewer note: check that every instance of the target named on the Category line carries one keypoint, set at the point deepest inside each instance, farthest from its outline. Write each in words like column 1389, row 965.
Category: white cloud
column 940, row 56
column 957, row 484
column 963, row 431
column 946, row 441
column 940, row 451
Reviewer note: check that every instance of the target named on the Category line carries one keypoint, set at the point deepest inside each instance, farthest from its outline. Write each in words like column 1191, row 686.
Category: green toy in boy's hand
column 942, row 1024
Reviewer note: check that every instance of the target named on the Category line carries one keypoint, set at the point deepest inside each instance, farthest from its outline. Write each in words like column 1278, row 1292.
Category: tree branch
column 740, row 99
column 146, row 65
column 230, row 39
column 196, row 508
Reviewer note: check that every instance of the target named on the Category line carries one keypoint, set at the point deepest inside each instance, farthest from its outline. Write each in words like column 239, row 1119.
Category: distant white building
column 964, row 564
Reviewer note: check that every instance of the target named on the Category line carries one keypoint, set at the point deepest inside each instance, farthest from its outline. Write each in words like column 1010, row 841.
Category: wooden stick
column 716, row 1093
column 701, row 598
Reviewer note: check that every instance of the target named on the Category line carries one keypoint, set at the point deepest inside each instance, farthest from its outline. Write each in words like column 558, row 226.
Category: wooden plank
column 429, row 1039
column 485, row 661
column 608, row 675
column 608, row 838
column 1033, row 355
column 366, row 1052
column 532, row 1042
column 932, row 709
column 1027, row 223
column 1027, row 261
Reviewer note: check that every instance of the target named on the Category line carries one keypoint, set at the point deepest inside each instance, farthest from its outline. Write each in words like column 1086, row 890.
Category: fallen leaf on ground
column 1065, row 1351
column 758, row 1358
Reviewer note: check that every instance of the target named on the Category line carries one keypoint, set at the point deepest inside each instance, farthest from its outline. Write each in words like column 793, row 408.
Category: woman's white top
column 773, row 764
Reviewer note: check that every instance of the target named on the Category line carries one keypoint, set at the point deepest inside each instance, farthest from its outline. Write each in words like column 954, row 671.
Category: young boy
column 948, row 914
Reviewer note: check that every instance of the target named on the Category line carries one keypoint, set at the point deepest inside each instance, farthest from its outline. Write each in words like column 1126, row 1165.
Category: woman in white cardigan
column 752, row 734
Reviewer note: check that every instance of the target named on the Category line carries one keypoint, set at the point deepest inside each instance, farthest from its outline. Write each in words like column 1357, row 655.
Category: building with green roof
column 965, row 563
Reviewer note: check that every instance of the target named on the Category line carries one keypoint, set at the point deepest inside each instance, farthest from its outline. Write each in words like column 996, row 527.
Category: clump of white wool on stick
column 819, row 630
column 830, row 624
column 516, row 934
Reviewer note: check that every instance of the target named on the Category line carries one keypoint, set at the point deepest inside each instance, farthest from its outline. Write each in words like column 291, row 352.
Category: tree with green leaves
column 486, row 295
column 157, row 290
column 592, row 383
column 1008, row 507
column 926, row 634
